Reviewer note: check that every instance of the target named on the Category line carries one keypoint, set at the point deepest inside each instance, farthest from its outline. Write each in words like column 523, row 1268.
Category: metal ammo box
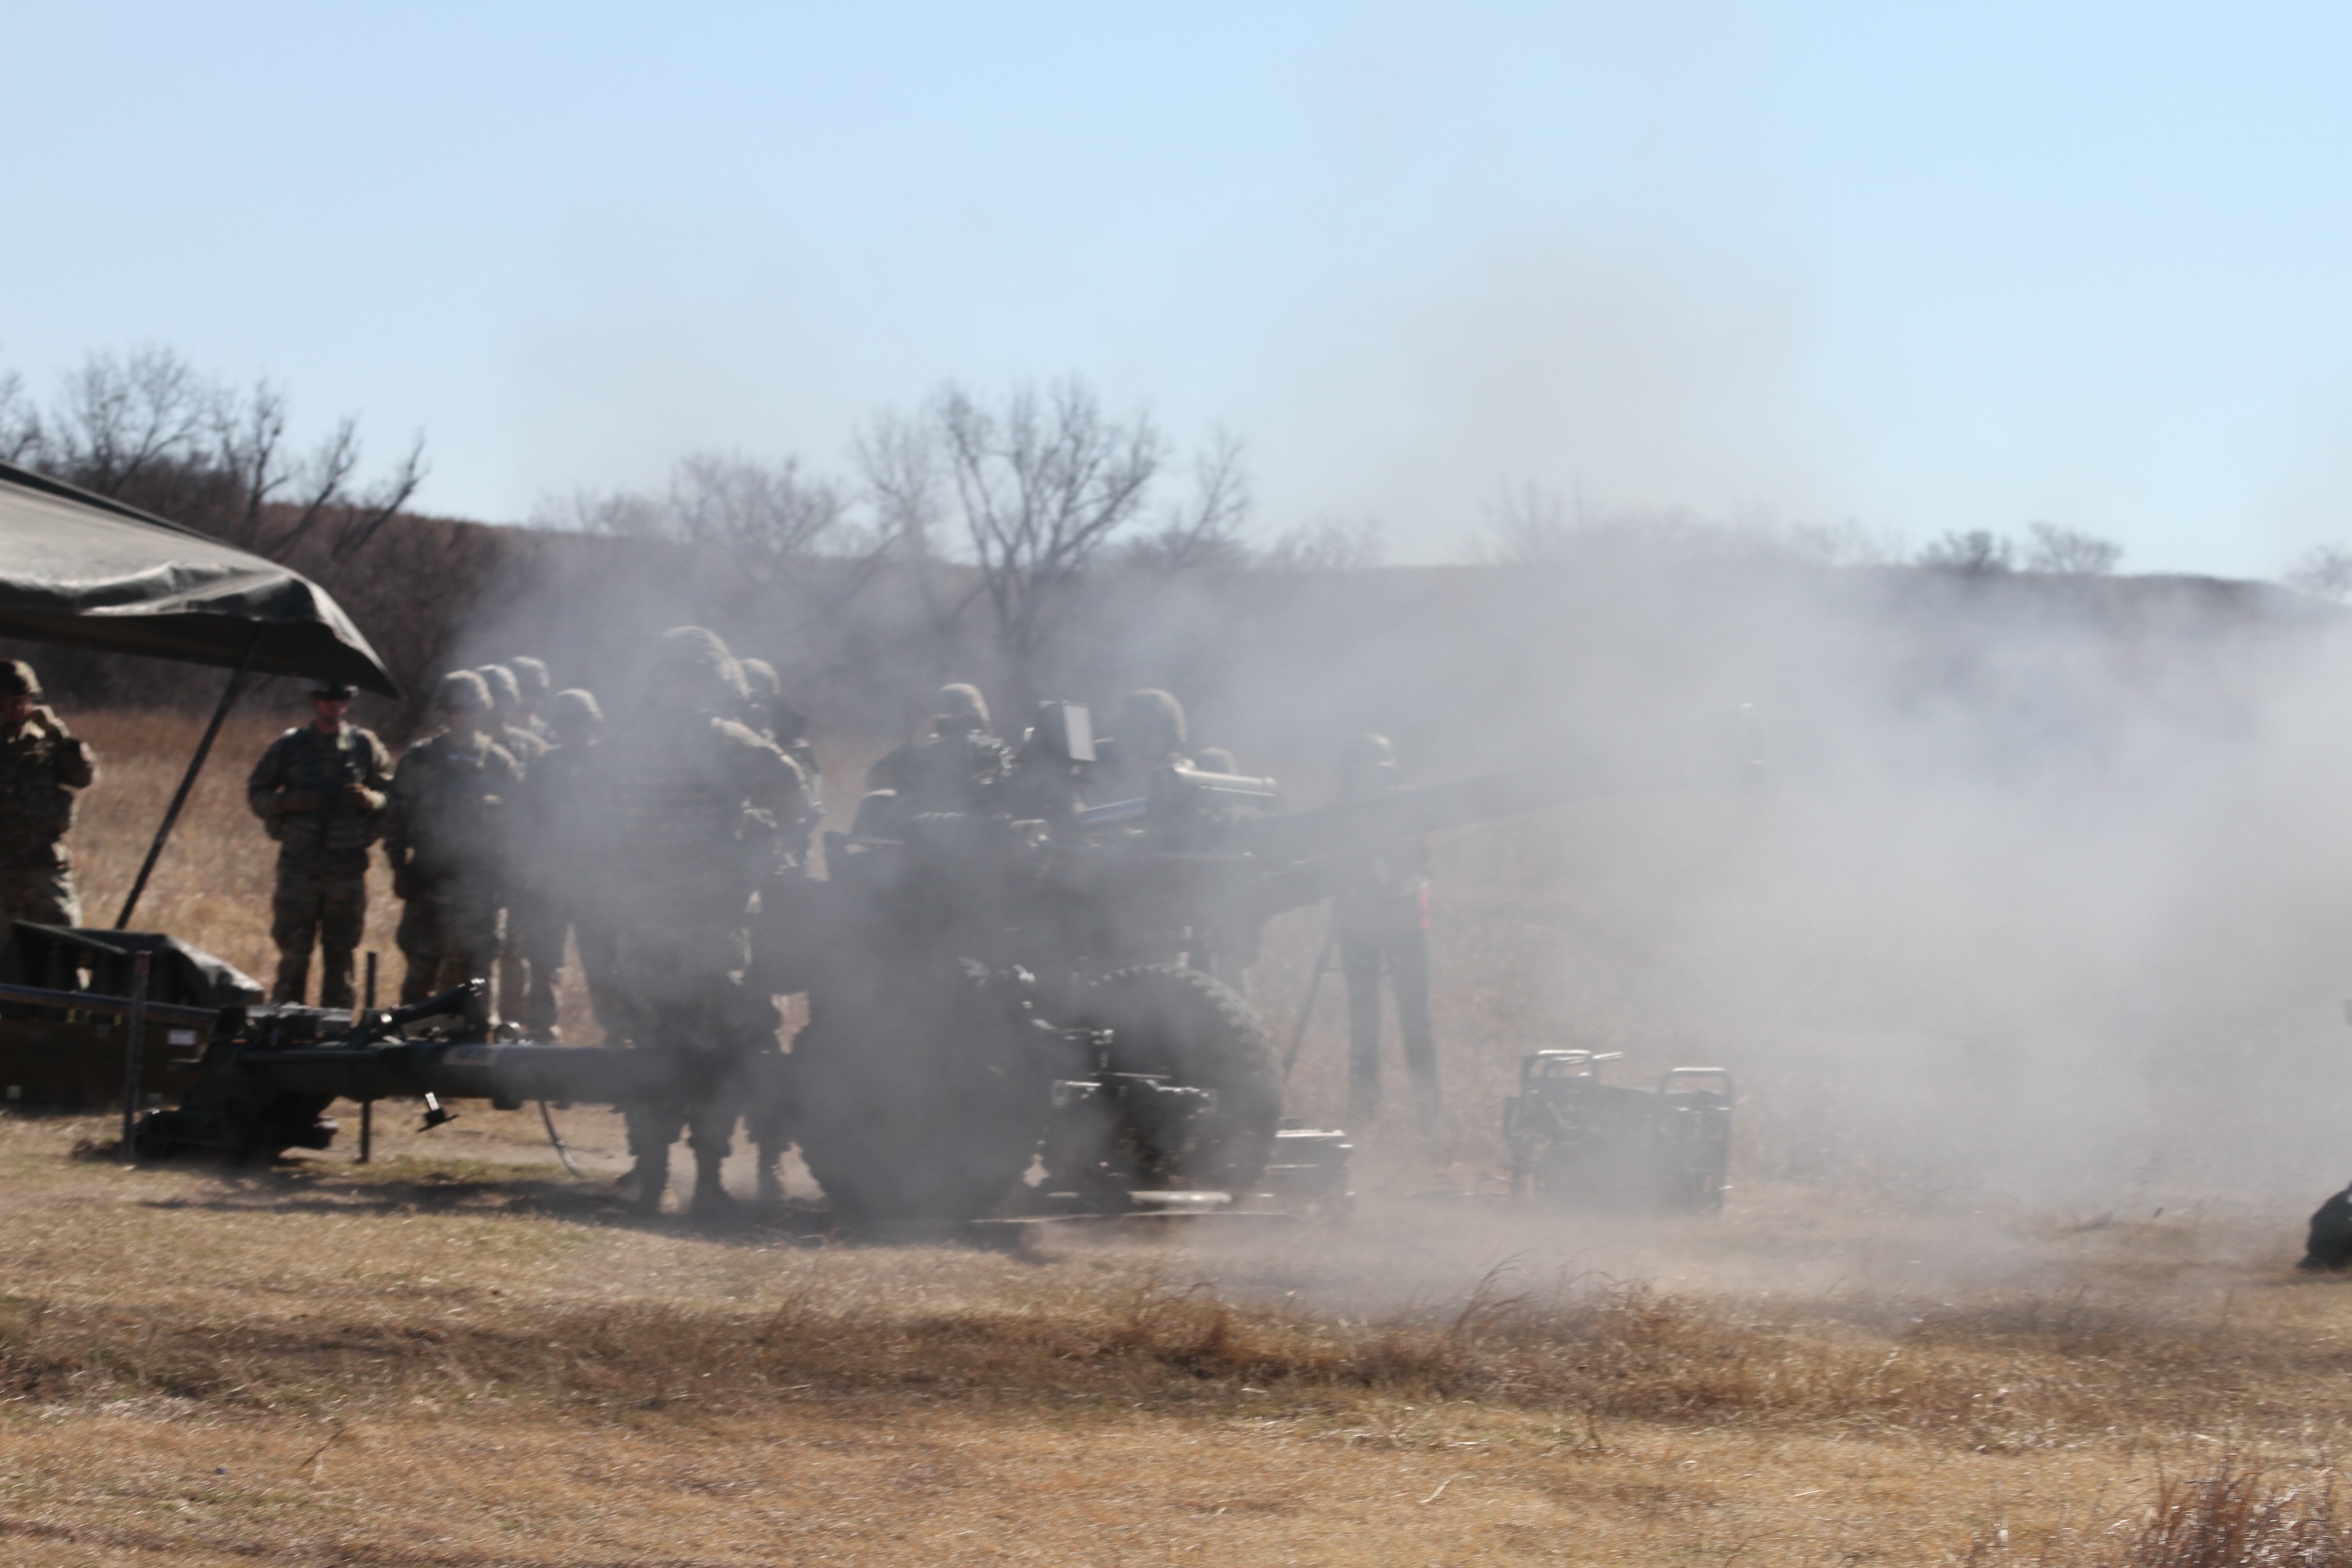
column 1573, row 1138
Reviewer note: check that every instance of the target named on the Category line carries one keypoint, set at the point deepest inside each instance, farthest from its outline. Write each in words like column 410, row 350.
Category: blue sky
column 1924, row 267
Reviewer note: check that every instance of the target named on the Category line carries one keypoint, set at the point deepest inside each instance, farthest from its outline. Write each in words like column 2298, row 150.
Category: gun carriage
column 987, row 990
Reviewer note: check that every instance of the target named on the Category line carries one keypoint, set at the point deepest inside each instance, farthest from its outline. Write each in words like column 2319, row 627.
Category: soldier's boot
column 540, row 1007
column 293, row 979
column 648, row 1179
column 711, row 1200
column 771, row 1179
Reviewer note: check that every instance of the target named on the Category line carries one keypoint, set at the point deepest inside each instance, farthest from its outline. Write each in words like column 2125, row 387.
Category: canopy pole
column 188, row 780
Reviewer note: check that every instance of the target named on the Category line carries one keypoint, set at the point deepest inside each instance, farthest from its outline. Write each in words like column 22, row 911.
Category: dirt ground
column 459, row 1355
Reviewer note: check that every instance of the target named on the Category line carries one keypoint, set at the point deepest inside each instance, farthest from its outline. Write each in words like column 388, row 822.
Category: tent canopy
column 81, row 570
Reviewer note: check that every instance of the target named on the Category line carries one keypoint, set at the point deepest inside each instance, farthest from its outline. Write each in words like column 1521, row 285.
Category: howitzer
column 267, row 1074
column 990, row 988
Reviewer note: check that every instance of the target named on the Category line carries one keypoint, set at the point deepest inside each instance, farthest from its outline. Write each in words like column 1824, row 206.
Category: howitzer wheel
column 1197, row 1033
column 918, row 1096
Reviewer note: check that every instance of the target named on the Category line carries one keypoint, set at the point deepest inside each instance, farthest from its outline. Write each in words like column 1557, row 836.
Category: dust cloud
column 2038, row 906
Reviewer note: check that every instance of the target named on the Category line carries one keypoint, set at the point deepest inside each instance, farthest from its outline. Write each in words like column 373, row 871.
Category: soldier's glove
column 358, row 797
column 297, row 800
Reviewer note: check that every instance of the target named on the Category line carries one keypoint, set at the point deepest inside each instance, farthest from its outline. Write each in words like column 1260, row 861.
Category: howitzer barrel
column 595, row 1075
column 1370, row 820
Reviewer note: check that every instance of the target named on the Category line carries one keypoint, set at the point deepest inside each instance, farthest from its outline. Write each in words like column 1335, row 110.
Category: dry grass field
column 459, row 1355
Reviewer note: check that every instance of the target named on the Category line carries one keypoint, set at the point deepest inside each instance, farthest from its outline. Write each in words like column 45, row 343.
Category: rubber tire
column 917, row 1096
column 1197, row 1032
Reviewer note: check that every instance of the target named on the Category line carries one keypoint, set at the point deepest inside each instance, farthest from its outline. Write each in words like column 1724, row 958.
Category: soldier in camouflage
column 1148, row 732
column 531, row 676
column 510, row 720
column 320, row 790
column 41, row 766
column 444, row 836
column 690, row 799
column 556, row 841
column 509, row 727
column 780, row 721
column 1380, row 913
column 784, row 894
column 955, row 765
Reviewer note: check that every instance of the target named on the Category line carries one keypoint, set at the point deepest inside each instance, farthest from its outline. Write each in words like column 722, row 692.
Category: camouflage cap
column 1152, row 713
column 962, row 702
column 760, row 677
column 574, row 704
column 334, row 691
column 698, row 655
column 531, row 674
column 17, row 680
column 505, row 689
column 462, row 692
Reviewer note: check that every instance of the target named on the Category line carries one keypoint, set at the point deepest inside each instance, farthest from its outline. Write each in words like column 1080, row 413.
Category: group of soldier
column 523, row 827
column 519, row 827
column 1380, row 901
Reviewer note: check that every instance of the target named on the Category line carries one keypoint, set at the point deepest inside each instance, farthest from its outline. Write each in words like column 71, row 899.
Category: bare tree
column 1032, row 493
column 147, row 428
column 2070, row 552
column 761, row 514
column 1328, row 545
column 1205, row 534
column 122, row 418
column 1844, row 544
column 1976, row 553
column 20, row 422
column 1040, row 486
column 2324, row 570
column 1532, row 524
column 899, row 462
column 325, row 502
column 1529, row 524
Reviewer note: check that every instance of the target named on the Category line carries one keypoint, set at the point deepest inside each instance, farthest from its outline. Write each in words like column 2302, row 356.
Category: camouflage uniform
column 41, row 765
column 1148, row 732
column 957, row 767
column 686, row 794
column 557, row 842
column 523, row 738
column 514, row 726
column 443, row 837
column 531, row 678
column 767, row 713
column 323, row 797
column 1380, row 913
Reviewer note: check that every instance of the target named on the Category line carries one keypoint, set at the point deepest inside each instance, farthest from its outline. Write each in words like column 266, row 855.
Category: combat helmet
column 506, row 692
column 696, row 659
column 1150, row 724
column 760, row 677
column 959, row 708
column 462, row 692
column 17, row 680
column 531, row 674
column 572, row 706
